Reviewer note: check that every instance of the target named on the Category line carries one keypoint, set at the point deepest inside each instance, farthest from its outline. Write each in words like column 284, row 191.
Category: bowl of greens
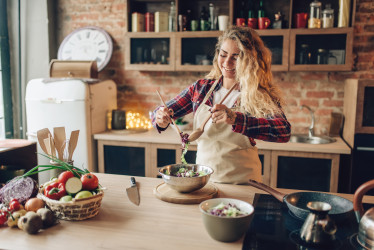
column 186, row 178
column 226, row 219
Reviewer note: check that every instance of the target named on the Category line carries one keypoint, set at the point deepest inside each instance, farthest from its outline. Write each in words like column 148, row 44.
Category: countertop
column 171, row 137
column 154, row 224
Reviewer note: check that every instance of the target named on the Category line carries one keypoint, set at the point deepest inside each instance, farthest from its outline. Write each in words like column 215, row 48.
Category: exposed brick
column 310, row 102
column 322, row 112
column 320, row 94
column 333, row 103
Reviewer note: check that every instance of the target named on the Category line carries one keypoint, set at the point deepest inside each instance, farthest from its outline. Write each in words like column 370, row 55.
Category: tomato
column 3, row 218
column 89, row 181
column 64, row 176
column 14, row 205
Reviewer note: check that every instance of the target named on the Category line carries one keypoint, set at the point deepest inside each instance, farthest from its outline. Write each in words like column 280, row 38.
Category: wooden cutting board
column 165, row 193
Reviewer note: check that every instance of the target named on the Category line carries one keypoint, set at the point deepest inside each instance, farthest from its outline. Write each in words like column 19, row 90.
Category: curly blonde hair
column 259, row 96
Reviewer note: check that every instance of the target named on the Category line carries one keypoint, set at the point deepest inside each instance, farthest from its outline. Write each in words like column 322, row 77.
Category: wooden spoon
column 73, row 143
column 43, row 134
column 176, row 126
column 200, row 130
column 59, row 138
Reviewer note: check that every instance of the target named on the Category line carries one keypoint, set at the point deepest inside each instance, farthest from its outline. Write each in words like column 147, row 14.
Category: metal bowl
column 185, row 184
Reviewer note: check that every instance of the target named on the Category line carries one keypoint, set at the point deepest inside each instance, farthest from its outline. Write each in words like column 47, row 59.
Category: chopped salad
column 183, row 172
column 229, row 210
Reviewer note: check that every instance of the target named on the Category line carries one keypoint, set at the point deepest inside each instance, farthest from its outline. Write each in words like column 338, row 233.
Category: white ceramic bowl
column 226, row 229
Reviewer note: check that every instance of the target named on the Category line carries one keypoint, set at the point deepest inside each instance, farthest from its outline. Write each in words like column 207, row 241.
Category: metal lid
column 315, row 4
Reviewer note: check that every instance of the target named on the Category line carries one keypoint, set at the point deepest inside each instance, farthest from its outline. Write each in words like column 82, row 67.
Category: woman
column 252, row 111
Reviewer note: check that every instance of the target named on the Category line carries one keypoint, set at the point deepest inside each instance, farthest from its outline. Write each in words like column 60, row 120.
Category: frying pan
column 341, row 208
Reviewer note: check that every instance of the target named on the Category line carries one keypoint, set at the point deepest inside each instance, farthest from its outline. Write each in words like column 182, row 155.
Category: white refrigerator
column 74, row 104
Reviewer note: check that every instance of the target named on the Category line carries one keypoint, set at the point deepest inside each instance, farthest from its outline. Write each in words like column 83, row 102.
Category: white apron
column 231, row 155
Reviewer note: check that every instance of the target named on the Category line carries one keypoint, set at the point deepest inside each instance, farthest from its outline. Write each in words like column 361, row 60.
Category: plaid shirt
column 273, row 129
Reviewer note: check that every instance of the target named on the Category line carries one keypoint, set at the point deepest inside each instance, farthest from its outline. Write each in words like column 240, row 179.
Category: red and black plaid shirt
column 274, row 129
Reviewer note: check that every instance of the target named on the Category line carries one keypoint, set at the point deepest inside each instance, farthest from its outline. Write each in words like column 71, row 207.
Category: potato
column 34, row 204
column 32, row 223
column 15, row 215
column 47, row 216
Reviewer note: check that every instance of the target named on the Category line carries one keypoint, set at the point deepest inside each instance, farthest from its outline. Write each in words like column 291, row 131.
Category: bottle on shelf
column 172, row 18
column 321, row 56
column 315, row 15
column 212, row 17
column 204, row 16
column 328, row 17
column 261, row 11
column 304, row 55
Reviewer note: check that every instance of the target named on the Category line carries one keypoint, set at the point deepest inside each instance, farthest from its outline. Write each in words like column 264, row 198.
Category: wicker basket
column 76, row 209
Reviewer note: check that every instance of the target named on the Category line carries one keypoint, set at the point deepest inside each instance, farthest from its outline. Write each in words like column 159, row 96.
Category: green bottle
column 261, row 11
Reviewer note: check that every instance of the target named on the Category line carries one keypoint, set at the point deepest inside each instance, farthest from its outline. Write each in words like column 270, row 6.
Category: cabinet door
column 150, row 51
column 277, row 41
column 305, row 171
column 119, row 157
column 195, row 50
column 326, row 49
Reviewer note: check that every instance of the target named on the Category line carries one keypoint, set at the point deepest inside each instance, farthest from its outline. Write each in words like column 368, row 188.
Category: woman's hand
column 163, row 117
column 222, row 114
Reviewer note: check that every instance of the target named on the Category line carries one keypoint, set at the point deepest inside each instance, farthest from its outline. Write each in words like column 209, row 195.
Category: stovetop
column 274, row 227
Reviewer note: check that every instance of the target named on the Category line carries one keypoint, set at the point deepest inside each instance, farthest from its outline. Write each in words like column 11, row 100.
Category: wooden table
column 154, row 224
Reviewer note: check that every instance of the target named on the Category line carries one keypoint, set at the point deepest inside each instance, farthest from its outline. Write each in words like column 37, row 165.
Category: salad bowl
column 186, row 178
column 226, row 219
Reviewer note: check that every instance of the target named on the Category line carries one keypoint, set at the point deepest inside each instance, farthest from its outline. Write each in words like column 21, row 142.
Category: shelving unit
column 186, row 50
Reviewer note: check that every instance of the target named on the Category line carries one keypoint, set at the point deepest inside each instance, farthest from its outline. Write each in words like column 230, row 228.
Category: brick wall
column 322, row 91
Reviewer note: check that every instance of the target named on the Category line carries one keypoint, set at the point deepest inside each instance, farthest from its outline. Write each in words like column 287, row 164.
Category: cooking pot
column 366, row 221
column 297, row 202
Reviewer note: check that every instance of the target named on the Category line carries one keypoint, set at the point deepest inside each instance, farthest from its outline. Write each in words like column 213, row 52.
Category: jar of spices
column 315, row 15
column 321, row 56
column 304, row 55
column 328, row 17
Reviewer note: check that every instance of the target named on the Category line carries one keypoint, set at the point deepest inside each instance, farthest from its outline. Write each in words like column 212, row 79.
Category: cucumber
column 73, row 185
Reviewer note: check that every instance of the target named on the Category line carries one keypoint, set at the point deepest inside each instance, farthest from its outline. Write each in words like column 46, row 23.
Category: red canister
column 149, row 22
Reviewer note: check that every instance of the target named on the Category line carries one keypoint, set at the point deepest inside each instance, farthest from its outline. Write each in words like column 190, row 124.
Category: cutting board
column 165, row 193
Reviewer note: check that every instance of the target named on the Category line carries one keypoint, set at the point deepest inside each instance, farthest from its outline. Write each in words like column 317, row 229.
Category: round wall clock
column 87, row 43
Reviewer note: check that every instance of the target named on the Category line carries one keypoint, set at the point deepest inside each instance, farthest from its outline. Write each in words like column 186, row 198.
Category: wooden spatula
column 59, row 138
column 43, row 134
column 73, row 143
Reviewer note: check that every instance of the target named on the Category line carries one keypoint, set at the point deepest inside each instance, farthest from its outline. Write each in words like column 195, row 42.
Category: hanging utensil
column 72, row 143
column 200, row 130
column 176, row 126
column 59, row 138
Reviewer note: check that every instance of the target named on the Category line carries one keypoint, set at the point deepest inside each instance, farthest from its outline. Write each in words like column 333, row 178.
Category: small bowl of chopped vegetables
column 226, row 219
column 186, row 178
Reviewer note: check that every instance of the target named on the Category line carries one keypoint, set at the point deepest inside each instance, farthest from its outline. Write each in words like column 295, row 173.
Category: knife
column 133, row 192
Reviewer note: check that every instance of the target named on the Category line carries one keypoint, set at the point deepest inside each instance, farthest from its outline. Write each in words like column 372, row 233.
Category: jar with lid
column 321, row 56
column 328, row 17
column 315, row 15
column 331, row 59
column 304, row 54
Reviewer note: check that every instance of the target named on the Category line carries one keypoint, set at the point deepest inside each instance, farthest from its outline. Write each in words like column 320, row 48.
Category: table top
column 154, row 224
column 170, row 137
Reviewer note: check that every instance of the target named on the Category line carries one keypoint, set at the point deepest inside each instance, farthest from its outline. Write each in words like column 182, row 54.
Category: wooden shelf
column 286, row 39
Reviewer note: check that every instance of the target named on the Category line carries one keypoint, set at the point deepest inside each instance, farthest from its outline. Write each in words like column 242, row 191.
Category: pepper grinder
column 318, row 228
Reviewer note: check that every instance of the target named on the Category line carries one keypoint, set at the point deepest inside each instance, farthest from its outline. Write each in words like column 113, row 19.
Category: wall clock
column 87, row 43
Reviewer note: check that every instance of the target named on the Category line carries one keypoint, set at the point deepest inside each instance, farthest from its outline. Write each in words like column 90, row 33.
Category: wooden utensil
column 176, row 126
column 72, row 143
column 43, row 134
column 47, row 144
column 59, row 138
column 200, row 130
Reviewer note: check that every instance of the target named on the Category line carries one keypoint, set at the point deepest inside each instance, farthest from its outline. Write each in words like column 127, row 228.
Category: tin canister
column 149, row 22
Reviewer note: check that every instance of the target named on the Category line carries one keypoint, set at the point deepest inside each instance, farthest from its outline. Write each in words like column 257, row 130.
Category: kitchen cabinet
column 307, row 170
column 284, row 165
column 193, row 50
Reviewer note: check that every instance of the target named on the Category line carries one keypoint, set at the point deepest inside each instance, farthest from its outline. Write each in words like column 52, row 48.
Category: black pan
column 341, row 208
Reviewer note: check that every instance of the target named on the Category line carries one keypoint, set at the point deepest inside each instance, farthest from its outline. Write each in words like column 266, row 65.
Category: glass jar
column 304, row 55
column 315, row 15
column 331, row 59
column 321, row 56
column 328, row 17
